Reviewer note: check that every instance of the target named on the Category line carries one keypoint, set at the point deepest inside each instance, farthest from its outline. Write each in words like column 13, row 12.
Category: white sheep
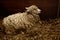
column 21, row 20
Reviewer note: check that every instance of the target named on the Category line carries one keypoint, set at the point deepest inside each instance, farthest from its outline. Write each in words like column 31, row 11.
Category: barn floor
column 49, row 30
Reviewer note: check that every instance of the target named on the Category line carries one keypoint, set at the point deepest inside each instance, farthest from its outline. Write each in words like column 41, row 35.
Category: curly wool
column 20, row 20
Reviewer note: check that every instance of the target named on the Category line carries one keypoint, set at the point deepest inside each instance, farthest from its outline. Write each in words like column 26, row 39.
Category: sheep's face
column 33, row 9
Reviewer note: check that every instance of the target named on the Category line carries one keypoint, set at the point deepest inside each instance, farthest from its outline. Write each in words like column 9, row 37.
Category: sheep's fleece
column 21, row 20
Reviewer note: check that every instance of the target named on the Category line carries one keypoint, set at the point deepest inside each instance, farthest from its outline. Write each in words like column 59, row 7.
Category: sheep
column 21, row 20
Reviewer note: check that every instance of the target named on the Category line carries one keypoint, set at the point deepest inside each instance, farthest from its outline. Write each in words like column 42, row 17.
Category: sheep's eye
column 34, row 9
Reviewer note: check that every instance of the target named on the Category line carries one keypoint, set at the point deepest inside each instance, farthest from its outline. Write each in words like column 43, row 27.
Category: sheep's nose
column 39, row 10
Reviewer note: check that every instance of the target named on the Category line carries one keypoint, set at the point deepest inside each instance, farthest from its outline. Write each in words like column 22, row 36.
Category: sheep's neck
column 36, row 16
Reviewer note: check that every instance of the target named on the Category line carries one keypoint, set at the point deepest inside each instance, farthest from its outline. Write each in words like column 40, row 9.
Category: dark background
column 49, row 7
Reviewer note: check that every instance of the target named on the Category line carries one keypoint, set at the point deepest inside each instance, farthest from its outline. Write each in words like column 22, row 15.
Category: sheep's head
column 33, row 9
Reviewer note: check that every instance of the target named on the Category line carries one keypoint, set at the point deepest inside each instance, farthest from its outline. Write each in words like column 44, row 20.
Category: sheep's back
column 16, row 20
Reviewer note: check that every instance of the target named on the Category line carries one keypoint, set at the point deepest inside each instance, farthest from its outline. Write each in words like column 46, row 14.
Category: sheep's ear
column 26, row 7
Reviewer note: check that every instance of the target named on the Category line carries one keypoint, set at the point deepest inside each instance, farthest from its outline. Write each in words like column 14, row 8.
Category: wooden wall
column 49, row 7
